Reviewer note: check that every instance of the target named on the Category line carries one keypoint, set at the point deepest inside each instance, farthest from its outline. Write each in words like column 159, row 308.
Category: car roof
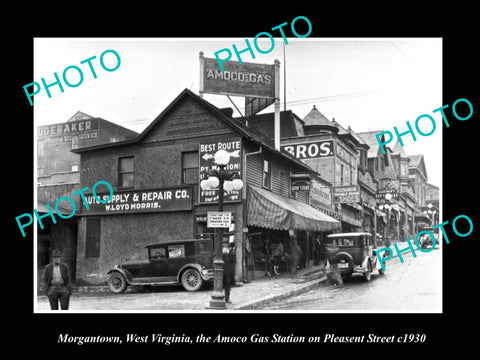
column 180, row 241
column 348, row 234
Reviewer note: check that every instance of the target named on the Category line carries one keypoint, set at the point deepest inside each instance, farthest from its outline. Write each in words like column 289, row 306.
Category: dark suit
column 57, row 292
column 227, row 275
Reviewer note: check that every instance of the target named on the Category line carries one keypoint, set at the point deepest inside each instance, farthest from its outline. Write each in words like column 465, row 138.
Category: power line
column 290, row 103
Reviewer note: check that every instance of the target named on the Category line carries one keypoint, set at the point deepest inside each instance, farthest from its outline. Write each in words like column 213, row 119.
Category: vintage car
column 352, row 253
column 185, row 262
column 425, row 241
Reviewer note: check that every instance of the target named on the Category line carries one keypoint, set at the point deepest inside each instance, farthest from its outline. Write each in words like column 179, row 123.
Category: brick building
column 58, row 175
column 170, row 156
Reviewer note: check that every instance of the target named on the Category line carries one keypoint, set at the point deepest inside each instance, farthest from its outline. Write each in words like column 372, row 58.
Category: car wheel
column 343, row 257
column 191, row 280
column 368, row 274
column 116, row 283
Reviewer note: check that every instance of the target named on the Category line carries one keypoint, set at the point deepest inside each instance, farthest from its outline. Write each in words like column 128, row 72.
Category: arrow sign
column 208, row 156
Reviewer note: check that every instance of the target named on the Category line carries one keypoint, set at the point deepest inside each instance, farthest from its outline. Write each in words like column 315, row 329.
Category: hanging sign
column 219, row 219
column 207, row 152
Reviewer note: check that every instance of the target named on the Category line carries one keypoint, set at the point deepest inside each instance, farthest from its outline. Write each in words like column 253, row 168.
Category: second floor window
column 125, row 172
column 190, row 167
column 267, row 174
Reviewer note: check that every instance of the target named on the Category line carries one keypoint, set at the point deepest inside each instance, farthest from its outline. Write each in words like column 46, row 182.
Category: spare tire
column 343, row 258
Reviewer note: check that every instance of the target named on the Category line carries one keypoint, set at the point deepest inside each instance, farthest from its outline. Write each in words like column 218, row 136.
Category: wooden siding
column 188, row 119
column 280, row 173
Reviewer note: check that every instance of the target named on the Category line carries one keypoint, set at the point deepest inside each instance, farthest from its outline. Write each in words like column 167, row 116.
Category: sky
column 367, row 84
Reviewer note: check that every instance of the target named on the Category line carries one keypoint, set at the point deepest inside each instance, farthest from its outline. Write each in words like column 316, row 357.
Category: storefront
column 274, row 223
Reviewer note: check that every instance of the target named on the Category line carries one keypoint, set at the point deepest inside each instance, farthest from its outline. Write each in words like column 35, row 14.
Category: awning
column 419, row 215
column 269, row 210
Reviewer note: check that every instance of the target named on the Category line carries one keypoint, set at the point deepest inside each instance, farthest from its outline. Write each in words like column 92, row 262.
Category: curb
column 269, row 298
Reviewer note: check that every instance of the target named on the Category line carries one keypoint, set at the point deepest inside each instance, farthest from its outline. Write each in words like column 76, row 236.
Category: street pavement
column 412, row 286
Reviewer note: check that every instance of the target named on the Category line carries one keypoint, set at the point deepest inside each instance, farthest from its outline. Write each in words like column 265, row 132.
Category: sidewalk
column 246, row 296
column 263, row 290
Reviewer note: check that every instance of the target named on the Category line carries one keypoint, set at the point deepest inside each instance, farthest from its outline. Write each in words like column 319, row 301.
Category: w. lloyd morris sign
column 141, row 201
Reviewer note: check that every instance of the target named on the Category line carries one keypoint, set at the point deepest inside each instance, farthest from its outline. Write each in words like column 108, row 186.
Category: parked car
column 352, row 253
column 185, row 262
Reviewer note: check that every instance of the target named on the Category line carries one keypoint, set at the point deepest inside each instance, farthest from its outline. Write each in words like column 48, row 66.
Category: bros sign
column 312, row 150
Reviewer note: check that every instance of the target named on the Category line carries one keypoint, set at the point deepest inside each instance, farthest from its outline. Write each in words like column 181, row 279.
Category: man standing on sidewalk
column 56, row 282
column 295, row 254
column 227, row 271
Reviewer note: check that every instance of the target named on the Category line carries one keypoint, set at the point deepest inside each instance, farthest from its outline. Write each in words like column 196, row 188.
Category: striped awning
column 272, row 211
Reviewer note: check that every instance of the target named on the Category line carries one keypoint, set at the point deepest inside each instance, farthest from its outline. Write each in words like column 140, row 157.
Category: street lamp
column 227, row 181
column 431, row 213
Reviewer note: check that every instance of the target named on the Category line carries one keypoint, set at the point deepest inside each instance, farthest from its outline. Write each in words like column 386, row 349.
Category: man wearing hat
column 56, row 281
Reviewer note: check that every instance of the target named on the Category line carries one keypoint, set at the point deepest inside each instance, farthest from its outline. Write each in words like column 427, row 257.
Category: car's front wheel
column 191, row 280
column 116, row 283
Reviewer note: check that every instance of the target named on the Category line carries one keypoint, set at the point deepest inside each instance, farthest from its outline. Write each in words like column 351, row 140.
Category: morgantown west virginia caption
column 254, row 338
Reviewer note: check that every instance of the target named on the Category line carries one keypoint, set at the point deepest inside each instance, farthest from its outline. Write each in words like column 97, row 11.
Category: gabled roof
column 315, row 117
column 418, row 162
column 370, row 139
column 251, row 134
column 398, row 149
column 80, row 116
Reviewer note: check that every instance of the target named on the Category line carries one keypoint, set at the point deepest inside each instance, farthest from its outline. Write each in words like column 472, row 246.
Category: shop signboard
column 381, row 193
column 207, row 166
column 320, row 194
column 310, row 150
column 245, row 79
column 346, row 194
column 299, row 185
column 63, row 132
column 139, row 201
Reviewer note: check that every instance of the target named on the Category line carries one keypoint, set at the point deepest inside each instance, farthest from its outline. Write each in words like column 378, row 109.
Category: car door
column 177, row 258
column 158, row 264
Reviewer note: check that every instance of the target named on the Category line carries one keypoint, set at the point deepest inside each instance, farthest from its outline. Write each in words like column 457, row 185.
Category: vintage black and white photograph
column 262, row 175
